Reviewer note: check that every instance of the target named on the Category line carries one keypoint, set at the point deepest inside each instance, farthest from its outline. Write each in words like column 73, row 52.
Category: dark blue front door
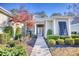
column 63, row 28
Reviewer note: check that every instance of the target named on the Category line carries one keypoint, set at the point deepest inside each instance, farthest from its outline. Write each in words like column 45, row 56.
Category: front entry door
column 40, row 31
column 63, row 28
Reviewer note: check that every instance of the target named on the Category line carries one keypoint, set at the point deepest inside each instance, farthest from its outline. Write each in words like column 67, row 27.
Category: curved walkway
column 40, row 48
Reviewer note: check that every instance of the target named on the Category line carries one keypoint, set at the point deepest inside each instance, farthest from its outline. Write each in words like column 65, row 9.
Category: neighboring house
column 4, row 18
column 75, row 25
column 60, row 25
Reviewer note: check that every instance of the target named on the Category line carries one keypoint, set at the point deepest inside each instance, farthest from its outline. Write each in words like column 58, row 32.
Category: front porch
column 59, row 26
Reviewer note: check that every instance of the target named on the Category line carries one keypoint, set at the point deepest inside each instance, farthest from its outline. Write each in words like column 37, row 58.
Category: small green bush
column 3, row 39
column 73, row 32
column 18, row 33
column 76, row 41
column 49, row 37
column 63, row 37
column 52, row 37
column 8, row 30
column 69, row 41
column 52, row 42
column 60, row 41
column 75, row 36
column 49, row 32
column 14, row 51
column 11, row 43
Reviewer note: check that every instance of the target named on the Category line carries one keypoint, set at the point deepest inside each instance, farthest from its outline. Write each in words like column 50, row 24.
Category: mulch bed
column 65, row 51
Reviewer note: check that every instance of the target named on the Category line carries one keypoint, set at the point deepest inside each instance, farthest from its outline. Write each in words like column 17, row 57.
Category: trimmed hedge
column 49, row 32
column 57, row 37
column 69, row 41
column 75, row 36
column 52, row 42
column 63, row 37
column 4, row 38
column 73, row 32
column 1, row 38
column 76, row 41
column 52, row 37
column 60, row 42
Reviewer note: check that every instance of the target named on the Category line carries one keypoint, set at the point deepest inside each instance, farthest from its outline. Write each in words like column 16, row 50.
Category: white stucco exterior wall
column 3, row 21
column 52, row 23
column 62, row 19
column 48, row 25
column 57, row 25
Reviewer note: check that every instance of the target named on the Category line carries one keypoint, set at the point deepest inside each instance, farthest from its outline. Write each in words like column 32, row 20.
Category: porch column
column 25, row 30
column 46, row 29
column 35, row 29
column 69, row 25
column 54, row 27
column 14, row 30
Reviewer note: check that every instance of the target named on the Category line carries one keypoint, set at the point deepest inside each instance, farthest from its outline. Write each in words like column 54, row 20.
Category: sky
column 49, row 8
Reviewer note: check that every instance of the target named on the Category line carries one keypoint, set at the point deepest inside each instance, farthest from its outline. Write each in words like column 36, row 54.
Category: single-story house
column 60, row 25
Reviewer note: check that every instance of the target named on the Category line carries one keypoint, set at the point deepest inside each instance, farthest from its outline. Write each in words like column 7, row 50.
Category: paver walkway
column 40, row 48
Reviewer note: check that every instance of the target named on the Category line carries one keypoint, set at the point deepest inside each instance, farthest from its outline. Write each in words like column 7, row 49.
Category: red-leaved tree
column 24, row 17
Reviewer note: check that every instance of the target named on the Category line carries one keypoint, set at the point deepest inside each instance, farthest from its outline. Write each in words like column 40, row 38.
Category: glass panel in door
column 40, row 31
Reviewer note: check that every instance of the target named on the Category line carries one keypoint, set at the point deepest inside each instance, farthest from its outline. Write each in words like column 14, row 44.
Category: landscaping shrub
column 49, row 32
column 52, row 42
column 55, row 37
column 49, row 37
column 60, row 42
column 14, row 51
column 76, row 41
column 75, row 36
column 52, row 37
column 73, row 32
column 11, row 44
column 63, row 37
column 8, row 33
column 3, row 39
column 69, row 41
column 8, row 30
column 18, row 33
column 21, row 51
